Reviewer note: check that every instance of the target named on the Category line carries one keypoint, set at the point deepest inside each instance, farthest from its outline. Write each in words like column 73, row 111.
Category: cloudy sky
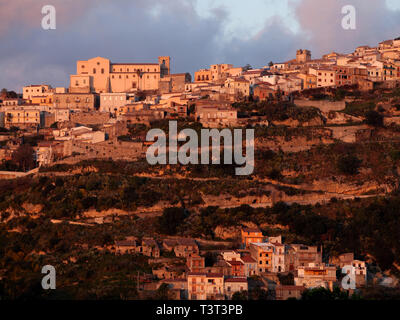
column 195, row 33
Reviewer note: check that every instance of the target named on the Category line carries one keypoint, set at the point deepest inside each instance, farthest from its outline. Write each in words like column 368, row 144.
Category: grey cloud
column 140, row 30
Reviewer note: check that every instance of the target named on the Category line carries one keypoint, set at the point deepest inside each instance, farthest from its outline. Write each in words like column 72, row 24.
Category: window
column 102, row 70
column 94, row 70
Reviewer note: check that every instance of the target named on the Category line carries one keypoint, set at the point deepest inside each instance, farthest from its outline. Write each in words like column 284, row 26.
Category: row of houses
column 259, row 257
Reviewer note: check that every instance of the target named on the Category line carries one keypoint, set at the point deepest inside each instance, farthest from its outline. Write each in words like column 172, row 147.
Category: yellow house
column 203, row 75
column 35, row 90
column 238, row 86
column 309, row 80
column 251, row 235
column 22, row 118
column 205, row 286
column 326, row 76
column 263, row 254
column 46, row 100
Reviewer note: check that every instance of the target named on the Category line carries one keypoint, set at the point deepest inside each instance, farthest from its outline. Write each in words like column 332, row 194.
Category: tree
column 258, row 294
column 349, row 164
column 162, row 292
column 247, row 67
column 322, row 294
column 170, row 220
column 3, row 93
column 374, row 118
column 270, row 64
column 240, row 296
column 54, row 125
column 24, row 157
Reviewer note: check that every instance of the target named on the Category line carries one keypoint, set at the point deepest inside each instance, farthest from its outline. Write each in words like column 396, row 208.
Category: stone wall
column 112, row 149
column 323, row 105
column 90, row 118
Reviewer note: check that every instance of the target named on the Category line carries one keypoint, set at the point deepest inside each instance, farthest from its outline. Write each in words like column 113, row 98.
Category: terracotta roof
column 248, row 259
column 125, row 243
column 169, row 242
column 236, row 280
column 149, row 242
column 235, row 263
column 277, row 244
column 197, row 274
column 251, row 230
column 214, row 275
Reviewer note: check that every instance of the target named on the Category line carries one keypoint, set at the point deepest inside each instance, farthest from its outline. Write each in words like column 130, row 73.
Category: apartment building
column 215, row 116
column 309, row 81
column 11, row 102
column 195, row 263
column 250, row 265
column 251, row 235
column 231, row 255
column 36, row 90
column 288, row 292
column 264, row 91
column 203, row 75
column 316, row 275
column 217, row 72
column 150, row 248
column 326, row 76
column 357, row 267
column 75, row 101
column 111, row 102
column 237, row 86
column 360, row 272
column 349, row 75
column 205, row 286
column 301, row 255
column 279, row 258
column 24, row 117
column 185, row 247
column 126, row 246
column 233, row 285
column 263, row 254
column 236, row 268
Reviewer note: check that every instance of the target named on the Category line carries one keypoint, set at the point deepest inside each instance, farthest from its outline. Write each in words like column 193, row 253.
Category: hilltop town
column 77, row 192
